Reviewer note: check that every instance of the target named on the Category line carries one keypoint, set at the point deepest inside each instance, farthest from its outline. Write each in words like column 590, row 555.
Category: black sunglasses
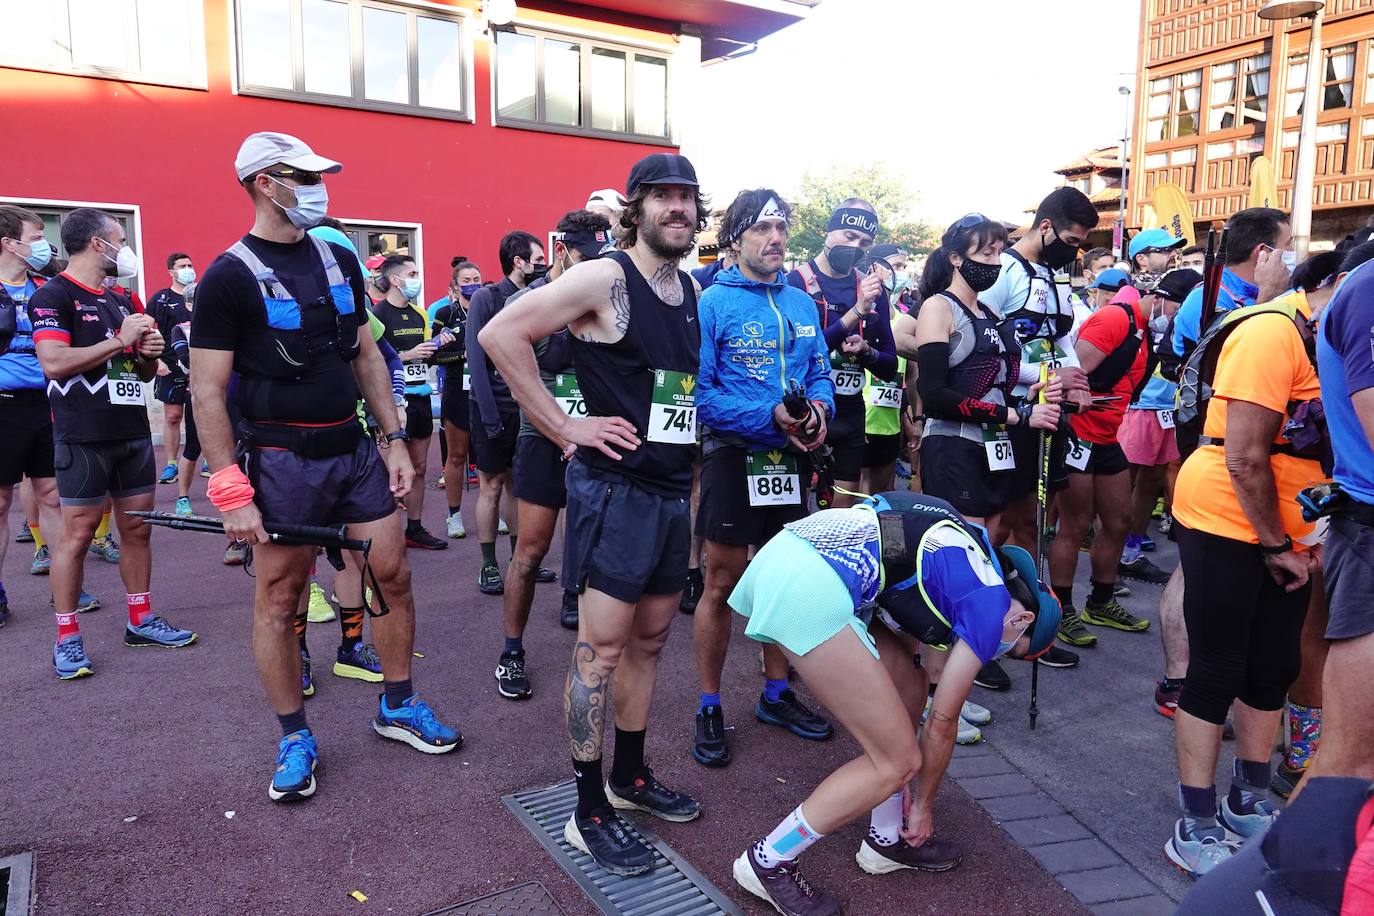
column 971, row 220
column 300, row 176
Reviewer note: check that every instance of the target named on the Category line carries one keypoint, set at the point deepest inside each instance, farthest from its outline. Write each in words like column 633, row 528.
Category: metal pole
column 1305, row 171
column 1121, row 211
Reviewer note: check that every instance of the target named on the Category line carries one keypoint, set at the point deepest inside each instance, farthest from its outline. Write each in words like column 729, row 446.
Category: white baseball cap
column 608, row 197
column 268, row 148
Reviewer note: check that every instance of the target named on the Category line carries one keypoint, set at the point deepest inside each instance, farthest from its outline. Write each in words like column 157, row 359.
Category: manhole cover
column 16, row 884
column 528, row 899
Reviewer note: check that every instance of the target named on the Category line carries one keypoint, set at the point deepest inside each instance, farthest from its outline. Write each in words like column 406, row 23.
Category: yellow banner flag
column 1151, row 220
column 1175, row 213
column 1264, row 190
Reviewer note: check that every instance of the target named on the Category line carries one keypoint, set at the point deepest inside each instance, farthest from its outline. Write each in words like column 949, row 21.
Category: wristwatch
column 1286, row 546
column 399, row 435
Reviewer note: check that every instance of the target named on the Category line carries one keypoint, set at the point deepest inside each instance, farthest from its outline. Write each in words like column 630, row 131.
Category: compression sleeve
column 395, row 367
column 883, row 347
column 943, row 402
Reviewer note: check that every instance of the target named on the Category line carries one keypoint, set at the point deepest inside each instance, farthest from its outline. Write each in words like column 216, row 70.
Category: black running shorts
column 25, row 436
column 1349, row 566
column 539, row 473
column 1102, row 460
column 453, row 406
column 87, row 472
column 419, row 416
column 341, row 490
column 880, row 451
column 724, row 514
column 494, row 454
column 956, row 470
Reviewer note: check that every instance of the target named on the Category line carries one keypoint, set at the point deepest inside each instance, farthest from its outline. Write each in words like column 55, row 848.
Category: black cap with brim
column 661, row 168
column 588, row 244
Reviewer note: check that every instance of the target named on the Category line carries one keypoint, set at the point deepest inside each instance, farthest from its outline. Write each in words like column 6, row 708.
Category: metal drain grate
column 670, row 888
column 16, row 884
column 528, row 899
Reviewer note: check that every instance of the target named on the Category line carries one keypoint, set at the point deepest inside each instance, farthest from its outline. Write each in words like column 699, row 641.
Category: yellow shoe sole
column 358, row 674
column 1140, row 626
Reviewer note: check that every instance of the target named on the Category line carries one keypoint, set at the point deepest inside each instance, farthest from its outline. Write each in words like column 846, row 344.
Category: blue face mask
column 467, row 289
column 1004, row 647
column 411, row 287
column 40, row 253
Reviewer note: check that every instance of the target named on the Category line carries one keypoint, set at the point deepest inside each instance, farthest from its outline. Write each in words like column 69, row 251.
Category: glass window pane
column 386, row 68
column 166, row 37
column 441, row 74
column 562, row 83
column 1185, row 156
column 1337, row 131
column 1226, row 69
column 29, row 31
column 328, row 66
column 1297, row 72
column 265, row 43
column 1221, row 150
column 1156, row 160
column 1162, row 84
column 1154, row 130
column 516, row 76
column 1159, row 105
column 608, row 89
column 98, row 34
column 1191, row 78
column 651, row 96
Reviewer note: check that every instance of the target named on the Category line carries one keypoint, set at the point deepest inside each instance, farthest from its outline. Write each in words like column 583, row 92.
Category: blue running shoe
column 1245, row 827
column 360, row 662
column 106, row 548
column 1148, row 545
column 295, row 775
column 307, row 682
column 414, row 724
column 42, row 562
column 183, row 506
column 156, row 631
column 168, row 475
column 205, row 469
column 69, row 658
column 85, row 603
column 1197, row 855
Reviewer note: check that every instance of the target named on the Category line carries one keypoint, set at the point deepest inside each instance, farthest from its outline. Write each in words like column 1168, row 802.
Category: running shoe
column 1121, row 591
column 439, row 484
column 1285, row 779
column 85, row 602
column 967, row 733
column 360, row 663
column 455, row 526
column 319, row 610
column 974, row 714
column 789, row 713
column 501, row 526
column 1088, row 539
column 608, row 840
column 294, row 777
column 1142, row 570
column 236, row 554
column 1197, row 855
column 993, row 676
column 784, row 887
column 205, row 469
column 183, row 506
column 168, row 475
column 934, row 854
column 489, row 581
column 691, row 592
column 1244, row 827
column 420, row 539
column 710, row 748
column 106, row 548
column 1158, row 511
column 307, row 680
column 414, row 724
column 1073, row 632
column 511, row 680
column 69, row 658
column 545, row 576
column 1112, row 614
column 1166, row 526
column 567, row 615
column 1166, row 699
column 1148, row 545
column 24, row 535
column 903, row 469
column 1058, row 657
column 645, row 793
column 42, row 562
column 156, row 631
column 472, row 479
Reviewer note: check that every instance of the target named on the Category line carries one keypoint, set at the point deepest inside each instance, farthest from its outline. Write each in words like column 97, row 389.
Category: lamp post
column 1120, row 240
column 1305, row 170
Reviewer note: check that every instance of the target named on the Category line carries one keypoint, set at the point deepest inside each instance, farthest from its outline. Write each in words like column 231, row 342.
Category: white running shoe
column 501, row 526
column 455, row 526
column 968, row 733
column 974, row 714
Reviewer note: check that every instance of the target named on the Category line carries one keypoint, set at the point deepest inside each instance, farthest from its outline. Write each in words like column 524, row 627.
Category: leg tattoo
column 584, row 704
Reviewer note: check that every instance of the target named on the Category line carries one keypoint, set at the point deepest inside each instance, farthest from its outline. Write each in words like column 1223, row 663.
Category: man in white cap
column 608, row 202
column 281, row 311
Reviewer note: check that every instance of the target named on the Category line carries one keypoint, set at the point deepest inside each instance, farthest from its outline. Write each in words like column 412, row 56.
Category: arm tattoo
column 666, row 285
column 620, row 303
column 584, row 704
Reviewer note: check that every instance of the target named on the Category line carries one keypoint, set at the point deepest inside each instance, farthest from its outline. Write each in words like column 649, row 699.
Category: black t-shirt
column 168, row 308
column 404, row 329
column 230, row 315
column 82, row 406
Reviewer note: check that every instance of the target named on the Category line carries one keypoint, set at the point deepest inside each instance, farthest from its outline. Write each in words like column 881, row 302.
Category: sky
column 976, row 102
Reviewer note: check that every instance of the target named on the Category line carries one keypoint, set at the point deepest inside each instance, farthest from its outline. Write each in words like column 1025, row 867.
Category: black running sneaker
column 993, row 676
column 567, row 616
column 789, row 713
column 608, row 840
column 711, row 748
column 1142, row 570
column 544, row 576
column 1058, row 657
column 645, row 793
column 691, row 592
column 421, row 539
column 489, row 581
column 1073, row 631
column 783, row 887
column 511, row 680
column 934, row 854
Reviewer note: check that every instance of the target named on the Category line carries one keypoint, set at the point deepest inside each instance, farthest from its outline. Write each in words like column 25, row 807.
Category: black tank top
column 977, row 374
column 618, row 380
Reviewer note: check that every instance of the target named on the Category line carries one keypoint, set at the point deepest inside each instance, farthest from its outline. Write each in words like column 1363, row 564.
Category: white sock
column 885, row 824
column 788, row 840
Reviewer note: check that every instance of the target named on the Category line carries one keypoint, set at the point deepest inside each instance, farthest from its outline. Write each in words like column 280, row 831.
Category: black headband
column 769, row 209
column 853, row 218
column 589, row 243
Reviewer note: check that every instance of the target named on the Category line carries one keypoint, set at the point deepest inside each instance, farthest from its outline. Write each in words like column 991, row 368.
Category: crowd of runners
column 890, row 471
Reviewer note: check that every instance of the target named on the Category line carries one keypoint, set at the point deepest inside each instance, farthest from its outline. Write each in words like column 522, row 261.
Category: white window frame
column 196, row 79
column 134, row 241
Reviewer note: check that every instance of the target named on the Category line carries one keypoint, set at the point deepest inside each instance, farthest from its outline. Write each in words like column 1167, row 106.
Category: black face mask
column 1058, row 253
column 535, row 272
column 978, row 275
column 843, row 257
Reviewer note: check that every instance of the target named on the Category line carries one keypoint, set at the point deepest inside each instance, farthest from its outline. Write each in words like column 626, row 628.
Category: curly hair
column 583, row 221
column 634, row 209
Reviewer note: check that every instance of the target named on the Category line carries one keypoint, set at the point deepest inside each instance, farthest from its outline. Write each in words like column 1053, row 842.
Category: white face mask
column 1290, row 259
column 1004, row 647
column 312, row 203
column 411, row 287
column 125, row 261
column 186, row 276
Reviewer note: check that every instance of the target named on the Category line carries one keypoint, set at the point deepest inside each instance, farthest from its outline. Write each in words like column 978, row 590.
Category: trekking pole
column 1042, row 483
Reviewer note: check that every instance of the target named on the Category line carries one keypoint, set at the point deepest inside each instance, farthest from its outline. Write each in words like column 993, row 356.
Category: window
column 377, row 238
column 1156, row 160
column 1240, row 93
column 354, row 53
column 1173, row 106
column 1185, row 156
column 53, row 212
column 1338, row 80
column 560, row 83
column 142, row 41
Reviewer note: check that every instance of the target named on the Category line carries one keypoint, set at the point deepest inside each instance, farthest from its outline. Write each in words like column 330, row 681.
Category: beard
column 654, row 237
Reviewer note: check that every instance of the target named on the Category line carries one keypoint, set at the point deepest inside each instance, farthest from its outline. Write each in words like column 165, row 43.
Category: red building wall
column 170, row 151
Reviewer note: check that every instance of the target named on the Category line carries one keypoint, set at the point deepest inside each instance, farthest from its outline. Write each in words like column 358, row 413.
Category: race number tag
column 847, row 376
column 1166, row 418
column 416, row 373
column 1043, row 351
column 673, row 408
column 124, row 385
column 1078, row 455
column 467, row 378
column 997, row 442
column 772, row 479
column 569, row 396
column 884, row 394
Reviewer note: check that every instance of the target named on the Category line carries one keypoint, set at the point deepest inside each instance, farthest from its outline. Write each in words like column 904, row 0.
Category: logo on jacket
column 806, row 330
column 752, row 329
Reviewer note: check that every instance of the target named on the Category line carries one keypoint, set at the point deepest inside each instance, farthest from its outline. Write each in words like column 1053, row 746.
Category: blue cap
column 1112, row 279
column 1154, row 238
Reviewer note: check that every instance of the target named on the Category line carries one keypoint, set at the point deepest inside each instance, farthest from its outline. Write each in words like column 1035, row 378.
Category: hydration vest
column 9, row 316
column 1054, row 320
column 1119, row 362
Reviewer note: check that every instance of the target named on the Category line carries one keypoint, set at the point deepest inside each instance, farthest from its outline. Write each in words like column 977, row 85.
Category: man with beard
column 631, row 316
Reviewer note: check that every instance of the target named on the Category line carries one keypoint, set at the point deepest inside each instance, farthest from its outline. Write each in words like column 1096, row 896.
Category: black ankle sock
column 1101, row 592
column 513, row 538
column 628, row 758
column 514, row 644
column 591, row 794
column 1173, row 683
column 454, row 510
column 397, row 692
column 412, row 525
column 292, row 722
column 1065, row 595
column 488, row 553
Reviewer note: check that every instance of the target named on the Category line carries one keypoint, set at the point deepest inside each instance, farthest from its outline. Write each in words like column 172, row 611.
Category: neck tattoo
column 666, row 285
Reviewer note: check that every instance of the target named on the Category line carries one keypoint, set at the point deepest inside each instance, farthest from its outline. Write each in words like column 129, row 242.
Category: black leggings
column 191, row 449
column 1243, row 628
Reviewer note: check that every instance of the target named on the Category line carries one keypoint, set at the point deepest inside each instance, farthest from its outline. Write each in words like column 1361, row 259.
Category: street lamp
column 1120, row 246
column 1305, row 171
